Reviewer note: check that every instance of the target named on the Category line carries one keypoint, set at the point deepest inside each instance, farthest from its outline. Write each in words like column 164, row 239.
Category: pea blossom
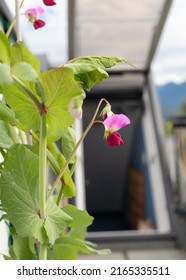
column 49, row 2
column 114, row 139
column 112, row 124
column 33, row 14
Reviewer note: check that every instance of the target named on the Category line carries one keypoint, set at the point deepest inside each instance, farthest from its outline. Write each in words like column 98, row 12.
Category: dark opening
column 116, row 178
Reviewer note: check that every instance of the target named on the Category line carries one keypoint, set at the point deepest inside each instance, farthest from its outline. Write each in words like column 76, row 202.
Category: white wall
column 3, row 239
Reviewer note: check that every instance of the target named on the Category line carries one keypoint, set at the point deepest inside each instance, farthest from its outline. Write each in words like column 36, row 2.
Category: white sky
column 169, row 62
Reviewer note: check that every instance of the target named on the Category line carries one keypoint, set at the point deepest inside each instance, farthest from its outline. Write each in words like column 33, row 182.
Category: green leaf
column 5, row 75
column 25, row 109
column 7, row 115
column 7, row 258
column 65, row 244
column 68, row 184
column 21, row 247
column 64, row 252
column 24, row 71
column 20, row 196
column 4, row 216
column 55, row 221
column 89, row 70
column 5, row 48
column 68, row 143
column 60, row 87
column 75, row 106
column 81, row 220
column 19, row 187
column 5, row 138
column 21, row 53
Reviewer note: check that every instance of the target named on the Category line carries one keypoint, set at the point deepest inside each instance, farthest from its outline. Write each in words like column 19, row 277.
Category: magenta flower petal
column 49, row 2
column 38, row 23
column 114, row 139
column 115, row 122
column 35, row 12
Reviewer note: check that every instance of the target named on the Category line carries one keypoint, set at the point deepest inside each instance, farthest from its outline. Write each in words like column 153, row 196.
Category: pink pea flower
column 49, row 2
column 33, row 14
column 114, row 139
column 38, row 23
column 112, row 124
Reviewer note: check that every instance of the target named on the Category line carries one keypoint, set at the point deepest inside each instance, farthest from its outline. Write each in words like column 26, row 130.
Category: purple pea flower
column 49, row 2
column 33, row 14
column 112, row 124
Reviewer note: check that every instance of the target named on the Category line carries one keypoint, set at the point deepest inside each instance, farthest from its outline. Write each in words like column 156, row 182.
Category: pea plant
column 36, row 110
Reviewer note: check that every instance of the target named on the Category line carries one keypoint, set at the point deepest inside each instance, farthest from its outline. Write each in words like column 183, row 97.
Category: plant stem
column 17, row 12
column 43, row 252
column 60, row 196
column 43, row 178
column 11, row 26
column 75, row 149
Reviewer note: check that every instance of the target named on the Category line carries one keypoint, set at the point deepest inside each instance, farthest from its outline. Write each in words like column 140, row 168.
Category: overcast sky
column 169, row 62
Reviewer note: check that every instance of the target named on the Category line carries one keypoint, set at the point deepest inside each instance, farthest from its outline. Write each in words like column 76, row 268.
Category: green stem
column 11, row 26
column 17, row 12
column 60, row 196
column 43, row 178
column 43, row 252
column 51, row 159
column 75, row 149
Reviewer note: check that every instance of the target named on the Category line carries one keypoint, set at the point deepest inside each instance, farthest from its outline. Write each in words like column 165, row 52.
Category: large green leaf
column 7, row 115
column 20, row 53
column 20, row 196
column 60, row 87
column 19, row 186
column 89, row 70
column 25, row 109
column 5, row 50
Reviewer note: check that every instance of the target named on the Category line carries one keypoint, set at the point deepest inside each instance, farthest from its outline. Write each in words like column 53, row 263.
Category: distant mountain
column 171, row 96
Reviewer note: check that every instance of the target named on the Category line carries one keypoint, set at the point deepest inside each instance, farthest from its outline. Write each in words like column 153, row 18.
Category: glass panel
column 121, row 28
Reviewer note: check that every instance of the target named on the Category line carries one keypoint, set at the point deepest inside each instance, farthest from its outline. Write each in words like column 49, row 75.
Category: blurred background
column 136, row 192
